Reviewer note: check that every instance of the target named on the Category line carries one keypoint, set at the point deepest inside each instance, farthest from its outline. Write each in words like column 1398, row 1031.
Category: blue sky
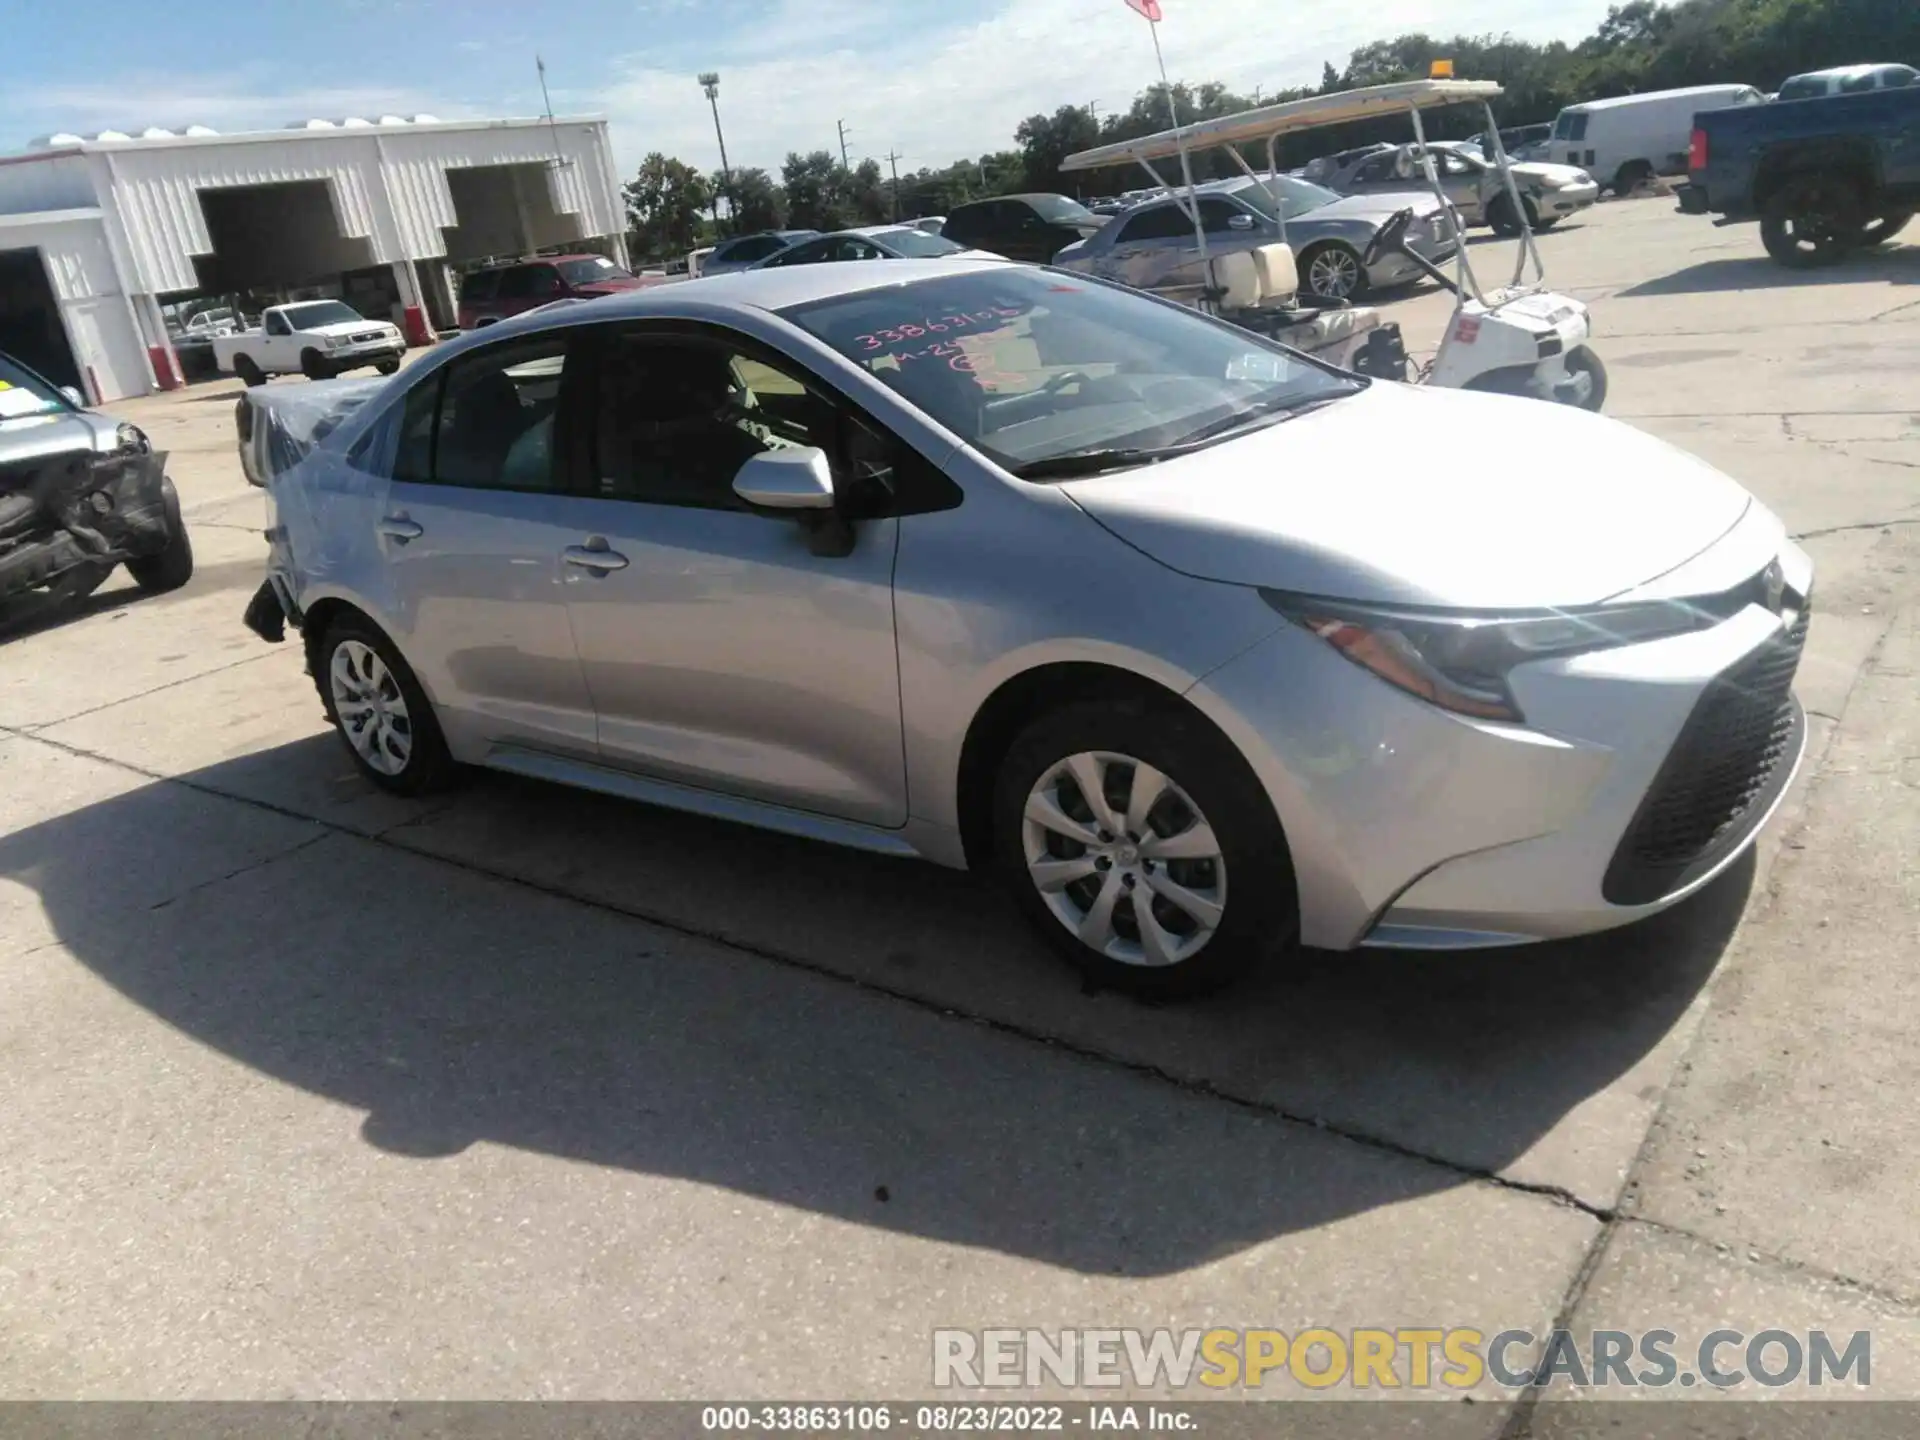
column 932, row 79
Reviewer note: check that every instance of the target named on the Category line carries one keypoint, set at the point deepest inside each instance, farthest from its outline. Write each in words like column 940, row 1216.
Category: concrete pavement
column 519, row 1092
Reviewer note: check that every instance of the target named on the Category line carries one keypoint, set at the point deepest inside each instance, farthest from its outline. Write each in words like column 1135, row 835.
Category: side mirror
column 1239, row 222
column 786, row 480
column 73, row 397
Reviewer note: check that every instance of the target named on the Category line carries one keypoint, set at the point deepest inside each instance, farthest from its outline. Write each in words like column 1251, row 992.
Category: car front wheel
column 1143, row 849
column 1333, row 272
column 380, row 710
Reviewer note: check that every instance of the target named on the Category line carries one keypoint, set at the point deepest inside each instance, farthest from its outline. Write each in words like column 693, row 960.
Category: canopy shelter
column 1249, row 127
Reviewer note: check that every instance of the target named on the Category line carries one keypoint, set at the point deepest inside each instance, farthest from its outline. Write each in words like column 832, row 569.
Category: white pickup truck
column 315, row 338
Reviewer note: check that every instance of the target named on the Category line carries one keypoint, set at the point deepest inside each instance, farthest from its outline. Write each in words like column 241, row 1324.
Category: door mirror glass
column 799, row 478
column 73, row 397
column 1240, row 222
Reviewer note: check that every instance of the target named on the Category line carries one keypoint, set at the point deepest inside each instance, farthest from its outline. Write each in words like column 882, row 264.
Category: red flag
column 1148, row 8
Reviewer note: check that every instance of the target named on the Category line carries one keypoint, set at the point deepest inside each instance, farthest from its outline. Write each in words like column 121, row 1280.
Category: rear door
column 1144, row 250
column 471, row 539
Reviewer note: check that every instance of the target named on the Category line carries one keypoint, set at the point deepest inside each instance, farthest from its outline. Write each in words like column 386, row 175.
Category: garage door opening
column 30, row 328
column 505, row 211
column 274, row 238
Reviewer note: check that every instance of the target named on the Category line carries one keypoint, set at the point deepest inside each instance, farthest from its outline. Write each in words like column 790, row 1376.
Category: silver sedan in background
column 1152, row 246
column 1199, row 645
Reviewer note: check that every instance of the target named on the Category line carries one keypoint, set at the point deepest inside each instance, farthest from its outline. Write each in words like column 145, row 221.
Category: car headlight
column 132, row 440
column 1460, row 662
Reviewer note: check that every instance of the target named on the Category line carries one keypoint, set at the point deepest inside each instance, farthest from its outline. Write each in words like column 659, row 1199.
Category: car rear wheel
column 380, row 710
column 1333, row 272
column 171, row 566
column 251, row 374
column 1812, row 221
column 1141, row 847
column 1879, row 231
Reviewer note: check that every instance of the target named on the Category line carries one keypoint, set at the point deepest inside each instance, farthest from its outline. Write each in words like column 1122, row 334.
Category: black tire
column 1334, row 257
column 249, row 372
column 314, row 366
column 1881, row 229
column 171, row 566
column 1260, row 914
column 388, row 367
column 429, row 766
column 1581, row 361
column 1812, row 222
column 1500, row 216
column 1630, row 177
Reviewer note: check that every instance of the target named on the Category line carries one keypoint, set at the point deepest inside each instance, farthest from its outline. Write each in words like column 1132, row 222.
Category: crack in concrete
column 1746, row 1253
column 30, row 731
column 326, row 833
column 1190, row 1085
column 1857, row 525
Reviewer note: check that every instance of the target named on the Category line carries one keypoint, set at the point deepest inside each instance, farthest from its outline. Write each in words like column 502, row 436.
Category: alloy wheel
column 1124, row 859
column 372, row 711
column 1333, row 273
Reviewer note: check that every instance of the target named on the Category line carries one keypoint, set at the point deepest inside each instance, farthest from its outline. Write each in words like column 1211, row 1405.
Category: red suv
column 490, row 295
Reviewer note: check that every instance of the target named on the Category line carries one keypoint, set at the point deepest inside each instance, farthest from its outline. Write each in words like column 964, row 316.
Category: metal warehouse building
column 98, row 232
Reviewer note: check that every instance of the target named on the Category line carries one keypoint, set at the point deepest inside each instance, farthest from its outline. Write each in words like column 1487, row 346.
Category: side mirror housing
column 73, row 397
column 1240, row 222
column 787, row 480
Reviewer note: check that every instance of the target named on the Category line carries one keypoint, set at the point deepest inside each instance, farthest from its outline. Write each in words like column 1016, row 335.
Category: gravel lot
column 315, row 1092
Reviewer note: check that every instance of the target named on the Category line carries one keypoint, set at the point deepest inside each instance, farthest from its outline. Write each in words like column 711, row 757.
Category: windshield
column 321, row 312
column 585, row 272
column 1032, row 366
column 915, row 244
column 24, row 394
column 1059, row 210
column 1297, row 197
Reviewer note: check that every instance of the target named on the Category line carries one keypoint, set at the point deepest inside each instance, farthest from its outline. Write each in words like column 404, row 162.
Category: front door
column 719, row 649
column 472, row 535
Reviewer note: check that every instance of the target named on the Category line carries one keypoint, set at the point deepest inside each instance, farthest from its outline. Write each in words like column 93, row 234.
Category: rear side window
column 487, row 420
column 528, row 282
column 481, row 285
column 1900, row 76
column 1163, row 222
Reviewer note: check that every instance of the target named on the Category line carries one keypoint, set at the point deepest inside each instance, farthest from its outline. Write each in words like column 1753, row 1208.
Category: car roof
column 1682, row 93
column 774, row 289
column 1846, row 72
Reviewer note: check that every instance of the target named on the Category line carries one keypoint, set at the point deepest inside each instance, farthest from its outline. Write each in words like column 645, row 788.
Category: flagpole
column 1180, row 139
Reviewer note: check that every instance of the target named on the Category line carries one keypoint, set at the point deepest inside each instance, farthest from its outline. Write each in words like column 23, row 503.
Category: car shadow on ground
column 37, row 611
column 454, row 1009
column 1896, row 265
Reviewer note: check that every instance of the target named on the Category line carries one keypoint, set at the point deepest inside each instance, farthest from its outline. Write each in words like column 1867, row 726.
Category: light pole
column 710, row 82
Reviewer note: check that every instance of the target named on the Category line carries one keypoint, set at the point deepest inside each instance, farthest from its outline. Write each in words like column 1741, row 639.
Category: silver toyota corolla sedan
column 1201, row 646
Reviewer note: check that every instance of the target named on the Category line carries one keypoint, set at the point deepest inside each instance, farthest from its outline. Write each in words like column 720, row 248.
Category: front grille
column 1733, row 757
column 366, row 337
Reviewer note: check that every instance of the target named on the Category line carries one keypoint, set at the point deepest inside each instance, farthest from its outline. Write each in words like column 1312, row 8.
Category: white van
column 1624, row 141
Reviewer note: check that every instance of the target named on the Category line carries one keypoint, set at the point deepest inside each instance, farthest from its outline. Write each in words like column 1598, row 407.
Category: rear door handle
column 597, row 558
column 400, row 530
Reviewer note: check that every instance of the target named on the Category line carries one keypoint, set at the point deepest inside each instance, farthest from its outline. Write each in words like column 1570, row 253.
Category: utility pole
column 1093, row 112
column 1256, row 93
column 710, row 82
column 842, row 126
column 893, row 163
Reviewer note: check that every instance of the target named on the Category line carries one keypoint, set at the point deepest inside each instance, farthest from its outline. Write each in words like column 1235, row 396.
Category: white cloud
column 960, row 91
column 134, row 102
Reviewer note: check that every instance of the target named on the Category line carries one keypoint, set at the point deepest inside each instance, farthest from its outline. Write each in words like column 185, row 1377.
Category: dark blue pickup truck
column 1824, row 176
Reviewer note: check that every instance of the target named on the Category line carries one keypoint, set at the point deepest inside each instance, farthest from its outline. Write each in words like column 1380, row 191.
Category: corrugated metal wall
column 52, row 182
column 76, row 256
column 388, row 186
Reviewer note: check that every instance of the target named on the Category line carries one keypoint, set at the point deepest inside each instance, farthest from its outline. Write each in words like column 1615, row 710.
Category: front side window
column 811, row 253
column 590, row 271
column 1217, row 215
column 486, row 421
column 480, row 285
column 675, row 419
column 316, row 313
column 1376, row 171
column 916, row 244
column 1059, row 210
column 277, row 325
column 1029, row 368
column 1854, row 84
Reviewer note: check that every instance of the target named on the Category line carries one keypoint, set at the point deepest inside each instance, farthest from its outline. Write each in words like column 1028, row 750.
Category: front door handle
column 595, row 557
column 400, row 530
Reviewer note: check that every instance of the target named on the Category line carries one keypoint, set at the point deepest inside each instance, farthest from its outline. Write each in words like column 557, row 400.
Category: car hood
column 1406, row 495
column 1541, row 170
column 348, row 327
column 34, row 437
column 1374, row 207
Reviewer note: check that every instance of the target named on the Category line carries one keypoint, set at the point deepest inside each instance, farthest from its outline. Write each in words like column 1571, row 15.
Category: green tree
column 1046, row 140
column 664, row 202
column 759, row 204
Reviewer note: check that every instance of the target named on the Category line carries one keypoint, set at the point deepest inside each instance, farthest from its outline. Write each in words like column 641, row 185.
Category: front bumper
column 1411, row 826
column 369, row 353
column 1566, row 200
